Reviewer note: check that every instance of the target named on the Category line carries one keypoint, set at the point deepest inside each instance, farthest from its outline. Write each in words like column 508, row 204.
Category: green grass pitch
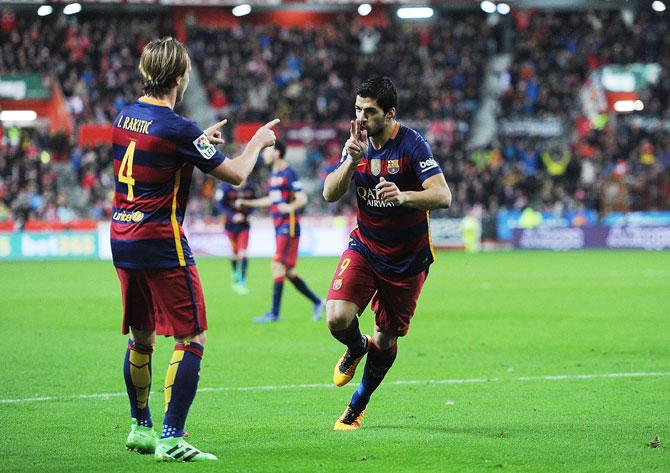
column 520, row 361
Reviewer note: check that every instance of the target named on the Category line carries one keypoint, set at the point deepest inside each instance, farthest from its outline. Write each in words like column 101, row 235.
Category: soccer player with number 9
column 397, row 183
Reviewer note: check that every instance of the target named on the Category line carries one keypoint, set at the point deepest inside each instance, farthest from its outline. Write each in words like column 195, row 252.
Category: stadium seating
column 308, row 76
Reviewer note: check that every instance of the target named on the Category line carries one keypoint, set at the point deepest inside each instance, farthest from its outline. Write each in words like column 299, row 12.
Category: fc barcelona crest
column 393, row 166
column 337, row 284
column 376, row 166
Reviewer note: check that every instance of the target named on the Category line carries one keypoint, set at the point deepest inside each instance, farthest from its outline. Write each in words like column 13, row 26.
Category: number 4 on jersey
column 126, row 169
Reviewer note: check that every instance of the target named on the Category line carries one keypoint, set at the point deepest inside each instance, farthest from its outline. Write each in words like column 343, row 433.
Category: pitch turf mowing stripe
column 561, row 377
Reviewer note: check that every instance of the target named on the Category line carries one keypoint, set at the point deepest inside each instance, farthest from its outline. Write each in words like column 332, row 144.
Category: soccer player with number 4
column 155, row 151
column 397, row 183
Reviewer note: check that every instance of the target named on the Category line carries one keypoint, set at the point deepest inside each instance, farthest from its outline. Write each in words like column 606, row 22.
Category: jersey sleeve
column 195, row 148
column 425, row 165
column 343, row 159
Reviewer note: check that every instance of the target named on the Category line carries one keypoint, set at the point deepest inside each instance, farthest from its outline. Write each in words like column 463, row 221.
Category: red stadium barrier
column 58, row 226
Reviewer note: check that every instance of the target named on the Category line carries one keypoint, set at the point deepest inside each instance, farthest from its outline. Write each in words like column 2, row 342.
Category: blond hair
column 162, row 61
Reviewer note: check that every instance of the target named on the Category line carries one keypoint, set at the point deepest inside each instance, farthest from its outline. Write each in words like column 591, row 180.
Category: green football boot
column 240, row 288
column 141, row 439
column 178, row 449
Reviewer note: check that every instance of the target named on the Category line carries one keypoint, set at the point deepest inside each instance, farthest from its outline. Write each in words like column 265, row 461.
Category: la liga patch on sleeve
column 204, row 147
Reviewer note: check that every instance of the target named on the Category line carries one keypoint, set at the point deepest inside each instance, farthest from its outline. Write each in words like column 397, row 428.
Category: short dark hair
column 382, row 90
column 281, row 147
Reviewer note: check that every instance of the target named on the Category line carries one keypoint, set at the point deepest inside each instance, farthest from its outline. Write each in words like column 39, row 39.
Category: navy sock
column 243, row 266
column 137, row 374
column 351, row 337
column 233, row 263
column 181, row 384
column 277, row 290
column 376, row 366
column 304, row 290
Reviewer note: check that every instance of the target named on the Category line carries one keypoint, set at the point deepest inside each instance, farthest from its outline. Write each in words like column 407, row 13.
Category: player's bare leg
column 343, row 325
column 181, row 384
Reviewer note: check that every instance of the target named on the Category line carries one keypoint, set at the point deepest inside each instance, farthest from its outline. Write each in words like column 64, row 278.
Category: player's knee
column 199, row 338
column 339, row 315
column 385, row 341
column 278, row 270
column 143, row 339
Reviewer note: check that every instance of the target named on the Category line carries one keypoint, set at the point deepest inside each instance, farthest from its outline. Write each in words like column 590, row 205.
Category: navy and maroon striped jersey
column 395, row 240
column 282, row 186
column 154, row 153
column 227, row 196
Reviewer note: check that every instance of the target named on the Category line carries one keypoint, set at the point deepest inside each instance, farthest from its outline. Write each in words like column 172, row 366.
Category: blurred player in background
column 285, row 200
column 236, row 225
column 397, row 182
column 155, row 151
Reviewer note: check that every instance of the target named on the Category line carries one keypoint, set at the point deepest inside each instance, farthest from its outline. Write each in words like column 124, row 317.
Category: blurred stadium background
column 551, row 119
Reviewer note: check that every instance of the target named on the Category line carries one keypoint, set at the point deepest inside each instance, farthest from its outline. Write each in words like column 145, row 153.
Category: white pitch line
column 562, row 377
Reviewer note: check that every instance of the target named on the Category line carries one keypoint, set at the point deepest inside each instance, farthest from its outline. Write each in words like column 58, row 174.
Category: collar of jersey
column 395, row 131
column 152, row 101
column 393, row 136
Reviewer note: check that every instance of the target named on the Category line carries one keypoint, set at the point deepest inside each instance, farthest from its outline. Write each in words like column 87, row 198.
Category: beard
column 374, row 130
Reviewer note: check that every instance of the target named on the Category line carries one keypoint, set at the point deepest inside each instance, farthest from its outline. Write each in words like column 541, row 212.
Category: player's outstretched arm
column 337, row 182
column 238, row 169
column 299, row 201
column 435, row 194
column 259, row 203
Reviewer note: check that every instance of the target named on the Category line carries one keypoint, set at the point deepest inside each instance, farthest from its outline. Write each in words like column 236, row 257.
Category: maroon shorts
column 238, row 241
column 286, row 252
column 393, row 300
column 169, row 301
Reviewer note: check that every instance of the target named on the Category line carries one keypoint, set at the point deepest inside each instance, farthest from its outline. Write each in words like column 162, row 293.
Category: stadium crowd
column 307, row 76
column 93, row 57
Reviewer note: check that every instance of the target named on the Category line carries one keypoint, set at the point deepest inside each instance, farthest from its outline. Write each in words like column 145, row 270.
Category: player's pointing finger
column 272, row 123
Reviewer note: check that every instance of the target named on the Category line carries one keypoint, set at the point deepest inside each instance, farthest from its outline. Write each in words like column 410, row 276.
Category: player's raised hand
column 388, row 191
column 357, row 144
column 213, row 133
column 361, row 134
column 265, row 135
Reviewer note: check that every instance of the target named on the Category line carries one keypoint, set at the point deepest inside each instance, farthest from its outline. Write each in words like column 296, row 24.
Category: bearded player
column 397, row 183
